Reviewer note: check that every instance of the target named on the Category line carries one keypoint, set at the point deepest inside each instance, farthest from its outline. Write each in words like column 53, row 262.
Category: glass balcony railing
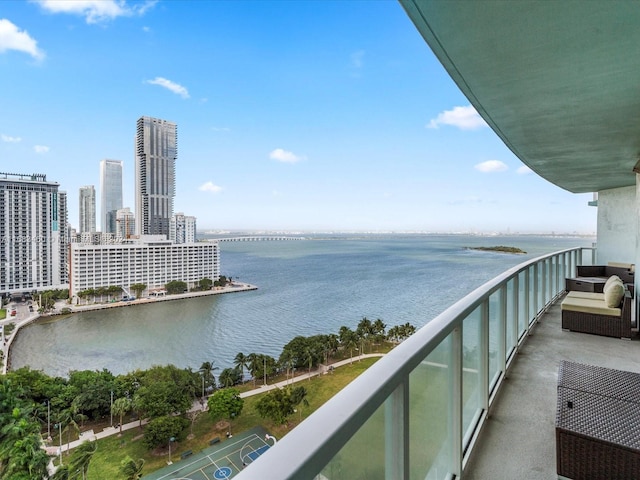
column 417, row 412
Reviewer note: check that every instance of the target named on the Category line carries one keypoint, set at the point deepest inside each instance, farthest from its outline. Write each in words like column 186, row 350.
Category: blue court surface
column 220, row 462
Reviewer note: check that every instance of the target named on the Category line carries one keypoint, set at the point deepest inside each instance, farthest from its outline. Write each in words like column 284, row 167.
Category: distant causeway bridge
column 254, row 238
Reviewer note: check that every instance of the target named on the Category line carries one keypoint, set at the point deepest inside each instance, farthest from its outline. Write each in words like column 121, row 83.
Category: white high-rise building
column 125, row 223
column 110, row 193
column 182, row 228
column 87, row 209
column 33, row 223
column 156, row 152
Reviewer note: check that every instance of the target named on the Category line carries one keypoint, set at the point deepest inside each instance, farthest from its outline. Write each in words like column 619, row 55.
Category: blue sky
column 292, row 116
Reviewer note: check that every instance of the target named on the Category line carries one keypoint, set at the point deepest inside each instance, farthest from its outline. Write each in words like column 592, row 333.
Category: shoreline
column 62, row 304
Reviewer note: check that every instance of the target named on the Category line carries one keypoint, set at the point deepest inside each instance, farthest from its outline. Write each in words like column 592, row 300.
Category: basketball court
column 220, row 462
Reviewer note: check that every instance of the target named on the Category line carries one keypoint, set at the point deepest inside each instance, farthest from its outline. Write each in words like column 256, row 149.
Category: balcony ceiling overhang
column 559, row 82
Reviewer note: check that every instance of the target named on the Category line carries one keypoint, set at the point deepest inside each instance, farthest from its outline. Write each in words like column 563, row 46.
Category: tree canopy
column 225, row 403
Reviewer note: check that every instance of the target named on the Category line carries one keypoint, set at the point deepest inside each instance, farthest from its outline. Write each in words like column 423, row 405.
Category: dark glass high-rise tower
column 155, row 166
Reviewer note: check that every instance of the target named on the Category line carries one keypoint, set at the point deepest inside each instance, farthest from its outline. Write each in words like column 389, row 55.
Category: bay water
column 305, row 287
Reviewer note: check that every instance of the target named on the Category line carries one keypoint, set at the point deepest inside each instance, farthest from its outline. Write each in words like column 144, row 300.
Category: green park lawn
column 112, row 450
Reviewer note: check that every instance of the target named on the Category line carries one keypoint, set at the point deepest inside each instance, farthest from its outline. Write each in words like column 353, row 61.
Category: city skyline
column 305, row 116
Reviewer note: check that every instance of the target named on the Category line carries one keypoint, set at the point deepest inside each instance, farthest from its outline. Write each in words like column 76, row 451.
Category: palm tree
column 26, row 458
column 67, row 418
column 308, row 357
column 207, row 370
column 364, row 331
column 138, row 288
column 254, row 365
column 82, row 457
column 379, row 328
column 132, row 469
column 241, row 362
column 120, row 407
column 62, row 473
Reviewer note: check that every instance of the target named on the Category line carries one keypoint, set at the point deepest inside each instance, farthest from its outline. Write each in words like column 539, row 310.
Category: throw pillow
column 614, row 294
column 610, row 280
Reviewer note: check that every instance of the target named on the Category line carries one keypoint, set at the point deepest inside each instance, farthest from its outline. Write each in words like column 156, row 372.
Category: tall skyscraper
column 87, row 209
column 110, row 193
column 155, row 166
column 34, row 245
column 182, row 229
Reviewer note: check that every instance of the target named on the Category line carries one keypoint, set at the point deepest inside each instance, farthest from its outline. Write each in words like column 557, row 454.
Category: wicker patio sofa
column 624, row 271
column 597, row 423
column 607, row 313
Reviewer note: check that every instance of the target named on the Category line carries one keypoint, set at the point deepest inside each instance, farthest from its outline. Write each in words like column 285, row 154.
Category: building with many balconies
column 155, row 175
column 182, row 228
column 150, row 260
column 33, row 222
column 87, row 209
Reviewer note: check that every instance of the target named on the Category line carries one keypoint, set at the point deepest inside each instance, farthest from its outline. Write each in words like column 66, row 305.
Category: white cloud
column 8, row 139
column 95, row 11
column 221, row 129
column 524, row 170
column 491, row 166
column 284, row 156
column 171, row 86
column 11, row 38
column 465, row 118
column 210, row 187
column 40, row 148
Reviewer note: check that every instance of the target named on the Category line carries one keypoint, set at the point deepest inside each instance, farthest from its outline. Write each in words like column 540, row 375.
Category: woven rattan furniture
column 598, row 324
column 597, row 423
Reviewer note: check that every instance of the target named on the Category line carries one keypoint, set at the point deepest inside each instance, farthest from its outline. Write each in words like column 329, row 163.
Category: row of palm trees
column 308, row 352
column 110, row 292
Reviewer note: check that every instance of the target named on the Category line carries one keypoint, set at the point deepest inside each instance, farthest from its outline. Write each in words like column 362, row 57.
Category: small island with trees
column 500, row 248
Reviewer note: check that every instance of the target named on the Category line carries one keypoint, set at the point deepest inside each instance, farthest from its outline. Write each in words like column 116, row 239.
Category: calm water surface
column 304, row 288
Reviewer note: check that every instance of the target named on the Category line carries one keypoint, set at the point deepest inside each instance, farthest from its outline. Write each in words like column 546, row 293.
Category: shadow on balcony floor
column 519, row 438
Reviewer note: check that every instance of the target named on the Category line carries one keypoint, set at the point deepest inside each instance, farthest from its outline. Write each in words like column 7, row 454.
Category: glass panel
column 533, row 309
column 523, row 314
column 363, row 455
column 542, row 267
column 472, row 404
column 511, row 318
column 430, row 416
column 495, row 319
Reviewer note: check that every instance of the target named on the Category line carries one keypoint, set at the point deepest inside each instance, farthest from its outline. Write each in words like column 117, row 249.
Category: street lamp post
column 172, row 439
column 59, row 426
column 111, row 409
column 48, row 420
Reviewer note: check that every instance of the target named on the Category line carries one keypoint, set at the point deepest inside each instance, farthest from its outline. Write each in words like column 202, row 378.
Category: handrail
column 308, row 448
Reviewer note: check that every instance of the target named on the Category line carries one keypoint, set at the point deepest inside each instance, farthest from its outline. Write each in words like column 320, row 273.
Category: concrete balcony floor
column 519, row 438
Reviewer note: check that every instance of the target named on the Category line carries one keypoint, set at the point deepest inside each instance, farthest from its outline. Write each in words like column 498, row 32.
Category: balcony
column 472, row 394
